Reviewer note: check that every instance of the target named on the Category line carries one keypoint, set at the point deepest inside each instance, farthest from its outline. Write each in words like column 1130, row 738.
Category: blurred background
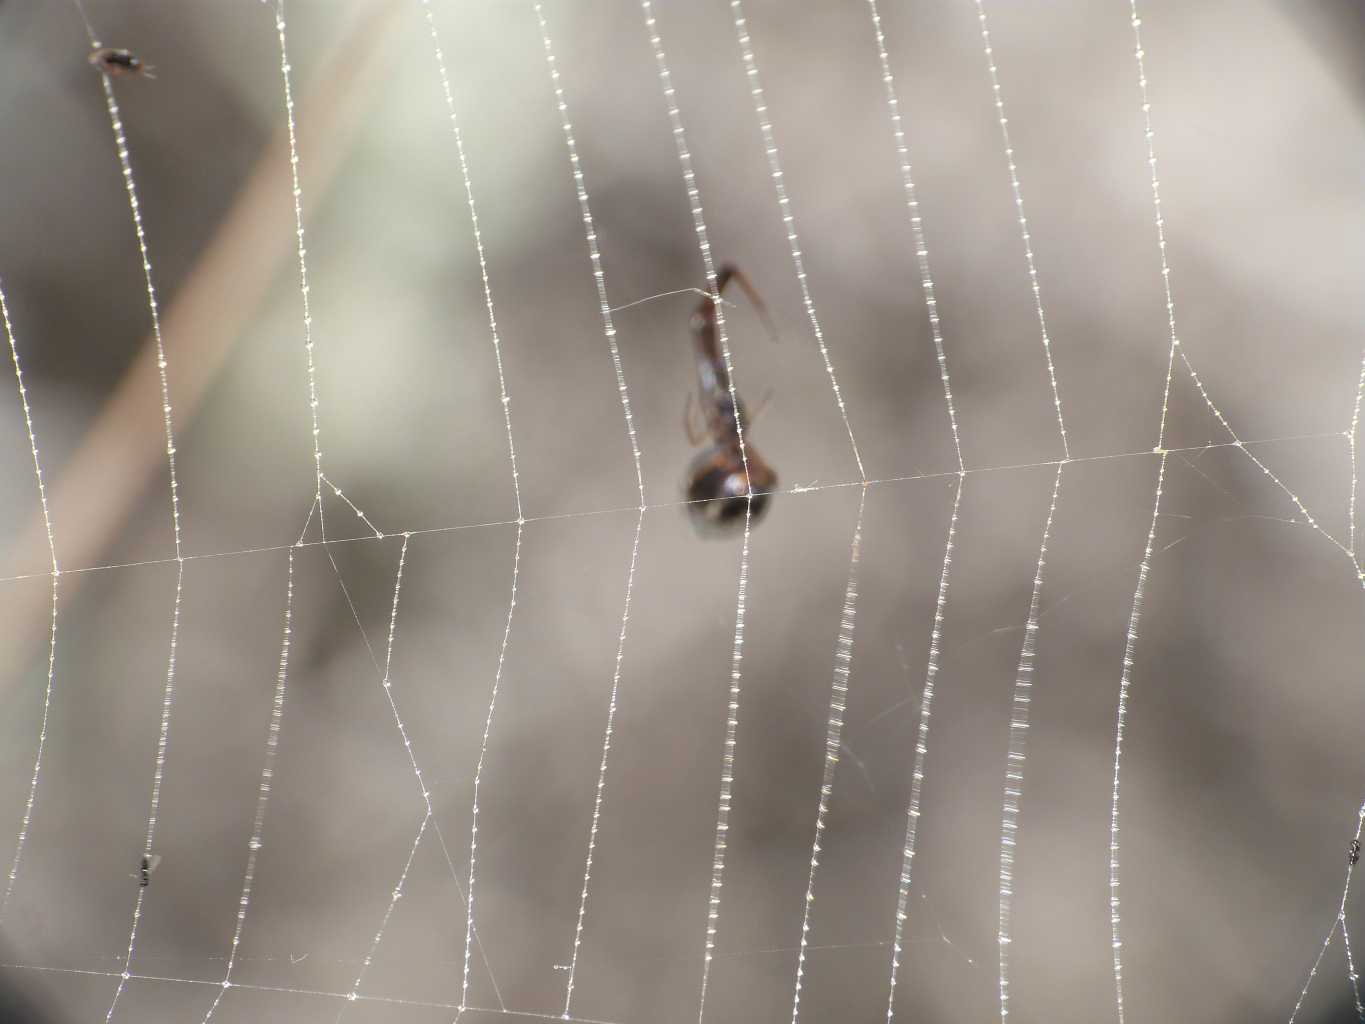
column 1243, row 765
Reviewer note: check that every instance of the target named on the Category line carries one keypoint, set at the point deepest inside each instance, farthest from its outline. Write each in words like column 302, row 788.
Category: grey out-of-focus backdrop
column 1243, row 763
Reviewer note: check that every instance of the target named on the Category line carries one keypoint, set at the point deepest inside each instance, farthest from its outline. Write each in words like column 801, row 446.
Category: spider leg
column 729, row 272
column 759, row 409
column 693, row 422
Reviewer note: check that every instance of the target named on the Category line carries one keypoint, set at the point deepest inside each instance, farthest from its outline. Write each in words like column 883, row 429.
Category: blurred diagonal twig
column 123, row 449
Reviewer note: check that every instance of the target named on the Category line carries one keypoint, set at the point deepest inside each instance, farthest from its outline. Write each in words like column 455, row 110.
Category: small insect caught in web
column 120, row 63
column 1353, row 852
column 728, row 476
column 145, row 868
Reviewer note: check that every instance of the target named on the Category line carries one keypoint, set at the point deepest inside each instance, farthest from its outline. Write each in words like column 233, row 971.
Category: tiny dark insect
column 1353, row 854
column 717, row 487
column 148, row 865
column 119, row 62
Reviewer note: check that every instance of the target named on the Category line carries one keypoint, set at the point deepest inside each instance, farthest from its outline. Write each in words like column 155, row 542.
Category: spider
column 717, row 486
column 1353, row 853
column 111, row 61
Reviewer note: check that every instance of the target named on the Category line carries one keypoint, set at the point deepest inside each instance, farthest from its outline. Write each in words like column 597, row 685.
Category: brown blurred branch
column 125, row 446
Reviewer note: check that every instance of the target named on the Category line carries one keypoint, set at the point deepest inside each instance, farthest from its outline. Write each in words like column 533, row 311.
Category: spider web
column 559, row 704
